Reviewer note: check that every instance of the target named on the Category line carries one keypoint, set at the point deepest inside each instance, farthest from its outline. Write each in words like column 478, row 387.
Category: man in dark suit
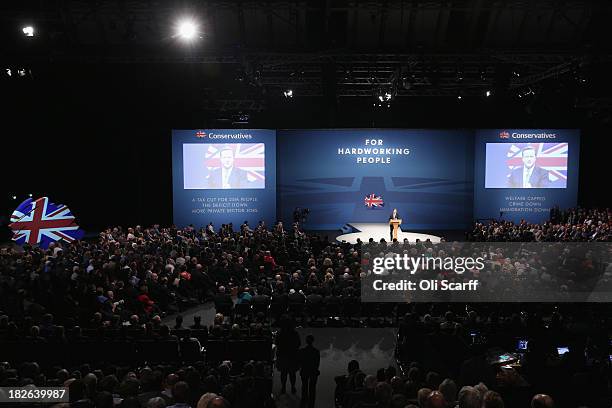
column 223, row 301
column 528, row 175
column 394, row 216
column 227, row 176
column 310, row 358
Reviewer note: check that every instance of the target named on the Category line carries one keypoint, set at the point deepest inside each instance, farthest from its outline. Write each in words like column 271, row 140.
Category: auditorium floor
column 372, row 347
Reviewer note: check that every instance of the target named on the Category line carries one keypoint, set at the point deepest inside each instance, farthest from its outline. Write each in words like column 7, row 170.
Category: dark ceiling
column 346, row 48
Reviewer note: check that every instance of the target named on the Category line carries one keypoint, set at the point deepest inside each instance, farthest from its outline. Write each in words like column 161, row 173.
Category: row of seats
column 350, row 313
column 149, row 351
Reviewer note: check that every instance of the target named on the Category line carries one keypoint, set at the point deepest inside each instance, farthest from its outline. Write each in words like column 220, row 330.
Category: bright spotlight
column 288, row 93
column 459, row 97
column 30, row 195
column 28, row 31
column 187, row 30
column 488, row 93
column 14, row 197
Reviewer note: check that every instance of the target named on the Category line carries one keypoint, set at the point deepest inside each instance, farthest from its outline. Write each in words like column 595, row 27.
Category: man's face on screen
column 227, row 158
column 529, row 158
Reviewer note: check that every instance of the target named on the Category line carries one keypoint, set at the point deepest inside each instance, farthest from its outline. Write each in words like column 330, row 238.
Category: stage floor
column 381, row 230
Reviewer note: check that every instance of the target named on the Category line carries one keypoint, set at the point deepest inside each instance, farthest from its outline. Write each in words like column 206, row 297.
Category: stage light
column 30, row 195
column 288, row 93
column 21, row 72
column 488, row 93
column 187, row 30
column 9, row 72
column 459, row 97
column 580, row 78
column 28, row 31
column 241, row 118
column 384, row 96
column 525, row 93
column 14, row 197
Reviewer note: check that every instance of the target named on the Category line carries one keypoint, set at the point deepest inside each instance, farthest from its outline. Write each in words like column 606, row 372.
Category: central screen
column 359, row 175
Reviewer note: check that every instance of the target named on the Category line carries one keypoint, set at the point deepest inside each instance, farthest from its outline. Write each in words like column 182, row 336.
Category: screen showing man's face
column 227, row 158
column 529, row 158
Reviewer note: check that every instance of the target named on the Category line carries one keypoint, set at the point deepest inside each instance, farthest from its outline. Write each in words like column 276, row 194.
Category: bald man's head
column 218, row 402
column 542, row 401
column 435, row 400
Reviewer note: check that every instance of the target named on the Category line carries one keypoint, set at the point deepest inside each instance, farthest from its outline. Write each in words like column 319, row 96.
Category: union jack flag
column 373, row 200
column 42, row 222
column 249, row 157
column 550, row 156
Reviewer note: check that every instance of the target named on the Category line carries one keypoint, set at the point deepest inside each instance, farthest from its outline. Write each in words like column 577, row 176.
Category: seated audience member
column 492, row 400
column 448, row 388
column 542, row 401
column 435, row 400
column 468, row 397
column 180, row 395
column 422, row 396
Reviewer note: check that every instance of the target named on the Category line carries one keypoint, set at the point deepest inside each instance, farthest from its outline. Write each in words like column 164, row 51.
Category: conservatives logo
column 200, row 134
column 527, row 135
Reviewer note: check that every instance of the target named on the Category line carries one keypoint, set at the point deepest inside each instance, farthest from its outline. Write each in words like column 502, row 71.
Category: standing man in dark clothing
column 309, row 358
column 394, row 216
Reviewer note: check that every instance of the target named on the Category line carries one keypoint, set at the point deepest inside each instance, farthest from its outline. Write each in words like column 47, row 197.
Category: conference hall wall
column 437, row 179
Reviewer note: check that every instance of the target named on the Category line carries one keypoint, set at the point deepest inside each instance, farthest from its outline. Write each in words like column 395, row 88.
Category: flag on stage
column 372, row 201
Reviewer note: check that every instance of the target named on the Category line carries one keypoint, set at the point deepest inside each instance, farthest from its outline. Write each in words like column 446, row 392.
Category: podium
column 395, row 224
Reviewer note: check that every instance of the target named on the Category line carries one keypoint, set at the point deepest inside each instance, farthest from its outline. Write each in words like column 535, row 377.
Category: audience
column 198, row 386
column 121, row 285
column 575, row 224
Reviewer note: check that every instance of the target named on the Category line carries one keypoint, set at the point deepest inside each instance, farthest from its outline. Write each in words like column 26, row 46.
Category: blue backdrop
column 427, row 175
column 498, row 151
column 438, row 179
column 198, row 200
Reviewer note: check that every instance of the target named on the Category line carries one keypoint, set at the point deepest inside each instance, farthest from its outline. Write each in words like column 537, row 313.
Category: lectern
column 395, row 223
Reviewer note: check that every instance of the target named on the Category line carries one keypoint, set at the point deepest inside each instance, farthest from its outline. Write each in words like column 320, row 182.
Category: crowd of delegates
column 473, row 345
column 107, row 386
column 153, row 271
column 417, row 389
column 129, row 279
column 575, row 224
column 145, row 272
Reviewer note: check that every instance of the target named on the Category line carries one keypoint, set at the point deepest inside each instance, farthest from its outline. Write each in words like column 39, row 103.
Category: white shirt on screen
column 526, row 176
column 225, row 175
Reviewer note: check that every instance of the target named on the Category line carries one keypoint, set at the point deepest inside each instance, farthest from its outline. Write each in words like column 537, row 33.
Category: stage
column 381, row 230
